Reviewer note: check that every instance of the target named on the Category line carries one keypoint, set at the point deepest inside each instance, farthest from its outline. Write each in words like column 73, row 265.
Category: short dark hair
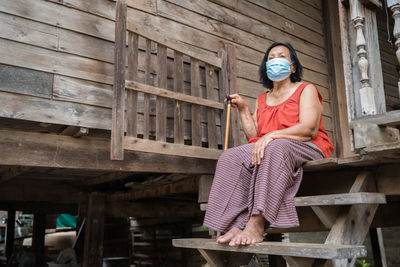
column 294, row 77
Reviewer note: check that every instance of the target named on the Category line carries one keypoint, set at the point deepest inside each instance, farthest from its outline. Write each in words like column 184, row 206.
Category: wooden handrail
column 144, row 88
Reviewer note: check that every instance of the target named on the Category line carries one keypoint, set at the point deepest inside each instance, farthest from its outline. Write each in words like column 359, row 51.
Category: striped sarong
column 240, row 190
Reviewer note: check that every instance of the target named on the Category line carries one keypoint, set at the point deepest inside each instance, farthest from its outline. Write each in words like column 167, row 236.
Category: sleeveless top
column 286, row 114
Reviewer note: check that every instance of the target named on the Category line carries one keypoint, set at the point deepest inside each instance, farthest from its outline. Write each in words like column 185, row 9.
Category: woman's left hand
column 257, row 152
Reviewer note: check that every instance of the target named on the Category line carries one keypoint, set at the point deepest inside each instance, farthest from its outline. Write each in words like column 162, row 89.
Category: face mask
column 278, row 69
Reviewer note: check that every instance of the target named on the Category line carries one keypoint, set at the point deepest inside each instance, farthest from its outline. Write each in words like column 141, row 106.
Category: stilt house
column 114, row 109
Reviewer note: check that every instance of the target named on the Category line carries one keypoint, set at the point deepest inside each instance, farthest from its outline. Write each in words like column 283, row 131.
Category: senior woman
column 255, row 184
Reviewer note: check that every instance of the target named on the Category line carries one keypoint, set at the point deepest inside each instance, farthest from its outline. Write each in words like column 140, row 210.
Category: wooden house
column 98, row 96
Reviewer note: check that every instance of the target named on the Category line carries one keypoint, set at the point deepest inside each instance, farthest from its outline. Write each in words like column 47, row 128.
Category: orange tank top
column 286, row 114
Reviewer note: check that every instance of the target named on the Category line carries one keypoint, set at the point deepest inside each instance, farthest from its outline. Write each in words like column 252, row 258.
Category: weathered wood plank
column 24, row 81
column 146, row 97
column 173, row 95
column 391, row 118
column 51, row 111
column 161, row 108
column 82, row 91
column 159, row 147
column 132, row 97
column 48, row 150
column 211, row 114
column 341, row 199
column 179, row 130
column 195, row 91
column 234, row 26
column 307, row 250
column 94, row 231
column 118, row 102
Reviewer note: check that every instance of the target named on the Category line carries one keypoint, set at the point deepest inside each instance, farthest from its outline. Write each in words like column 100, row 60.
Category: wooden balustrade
column 188, row 119
column 367, row 97
column 394, row 6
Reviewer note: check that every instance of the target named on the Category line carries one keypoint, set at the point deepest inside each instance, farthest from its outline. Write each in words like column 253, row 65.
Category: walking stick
column 228, row 120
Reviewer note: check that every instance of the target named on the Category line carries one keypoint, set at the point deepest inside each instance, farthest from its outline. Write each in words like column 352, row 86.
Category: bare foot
column 252, row 234
column 228, row 236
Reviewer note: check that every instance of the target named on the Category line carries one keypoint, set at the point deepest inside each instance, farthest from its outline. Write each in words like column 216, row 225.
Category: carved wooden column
column 394, row 5
column 367, row 98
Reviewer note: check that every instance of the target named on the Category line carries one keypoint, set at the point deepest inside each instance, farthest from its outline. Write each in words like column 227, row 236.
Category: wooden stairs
column 347, row 215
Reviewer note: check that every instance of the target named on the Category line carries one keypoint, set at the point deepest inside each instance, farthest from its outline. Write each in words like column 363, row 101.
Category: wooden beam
column 144, row 88
column 39, row 228
column 151, row 209
column 159, row 147
column 118, row 102
column 109, row 177
column 10, row 233
column 391, row 118
column 31, row 190
column 326, row 214
column 75, row 131
column 337, row 84
column 370, row 135
column 94, row 231
column 185, row 185
column 55, row 151
column 12, row 172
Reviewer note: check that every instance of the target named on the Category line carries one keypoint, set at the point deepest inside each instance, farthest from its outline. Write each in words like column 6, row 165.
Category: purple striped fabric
column 240, row 190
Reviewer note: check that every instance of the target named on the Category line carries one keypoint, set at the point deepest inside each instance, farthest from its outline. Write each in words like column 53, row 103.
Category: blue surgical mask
column 278, row 69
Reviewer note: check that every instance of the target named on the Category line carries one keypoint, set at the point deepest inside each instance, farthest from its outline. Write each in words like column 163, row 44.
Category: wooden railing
column 176, row 132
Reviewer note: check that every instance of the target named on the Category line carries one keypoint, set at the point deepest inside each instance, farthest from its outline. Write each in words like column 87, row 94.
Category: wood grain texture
column 179, row 127
column 49, row 150
column 211, row 113
column 307, row 250
column 118, row 101
column 131, row 96
column 158, row 147
column 26, row 82
column 161, row 108
column 195, row 91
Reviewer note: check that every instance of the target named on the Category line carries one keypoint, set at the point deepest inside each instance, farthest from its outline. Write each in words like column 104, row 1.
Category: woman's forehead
column 280, row 49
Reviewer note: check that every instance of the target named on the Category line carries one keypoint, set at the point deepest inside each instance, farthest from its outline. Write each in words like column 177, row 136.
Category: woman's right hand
column 238, row 102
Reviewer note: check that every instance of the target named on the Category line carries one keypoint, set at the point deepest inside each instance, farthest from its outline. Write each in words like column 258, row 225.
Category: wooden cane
column 228, row 119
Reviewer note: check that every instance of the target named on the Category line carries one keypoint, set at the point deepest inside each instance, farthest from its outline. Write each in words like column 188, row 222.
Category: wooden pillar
column 118, row 101
column 394, row 5
column 38, row 236
column 337, row 82
column 94, row 231
column 10, row 233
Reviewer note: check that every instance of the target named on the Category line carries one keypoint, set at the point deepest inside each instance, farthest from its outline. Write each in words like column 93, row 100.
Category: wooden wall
column 59, row 53
column 389, row 61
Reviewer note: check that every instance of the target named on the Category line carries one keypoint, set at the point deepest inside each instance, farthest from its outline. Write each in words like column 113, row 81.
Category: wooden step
column 334, row 199
column 341, row 199
column 305, row 250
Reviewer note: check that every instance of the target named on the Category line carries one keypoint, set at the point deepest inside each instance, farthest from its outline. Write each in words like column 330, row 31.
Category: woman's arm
column 249, row 122
column 309, row 116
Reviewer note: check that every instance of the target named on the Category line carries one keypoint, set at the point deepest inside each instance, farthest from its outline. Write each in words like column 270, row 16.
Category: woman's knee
column 279, row 146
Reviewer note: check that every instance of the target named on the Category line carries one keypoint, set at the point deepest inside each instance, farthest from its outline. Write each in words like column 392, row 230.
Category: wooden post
column 94, row 231
column 118, row 102
column 38, row 236
column 377, row 247
column 337, row 83
column 10, row 233
column 394, row 5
